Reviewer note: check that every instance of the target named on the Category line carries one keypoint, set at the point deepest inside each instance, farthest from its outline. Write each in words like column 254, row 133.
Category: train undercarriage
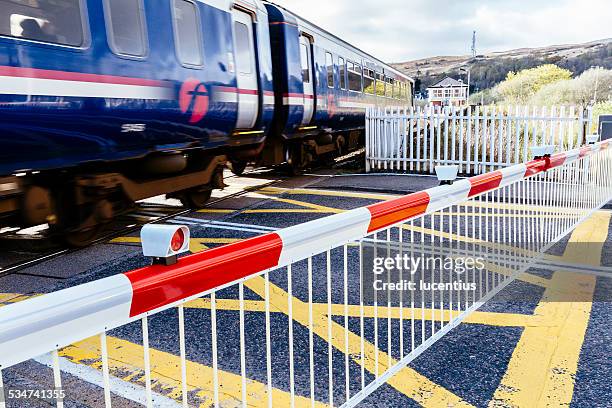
column 77, row 204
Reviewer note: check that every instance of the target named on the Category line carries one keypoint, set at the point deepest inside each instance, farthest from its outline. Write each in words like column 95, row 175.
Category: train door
column 307, row 79
column 246, row 70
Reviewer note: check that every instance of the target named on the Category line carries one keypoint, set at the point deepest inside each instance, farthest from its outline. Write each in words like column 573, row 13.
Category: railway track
column 19, row 251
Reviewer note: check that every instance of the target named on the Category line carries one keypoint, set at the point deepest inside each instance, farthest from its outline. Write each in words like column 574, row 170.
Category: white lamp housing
column 164, row 243
column 542, row 151
column 447, row 174
column 592, row 139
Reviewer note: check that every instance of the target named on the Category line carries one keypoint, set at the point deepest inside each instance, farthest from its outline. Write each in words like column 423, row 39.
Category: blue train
column 107, row 102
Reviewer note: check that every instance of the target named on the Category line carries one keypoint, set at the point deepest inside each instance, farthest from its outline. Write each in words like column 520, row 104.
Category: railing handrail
column 55, row 320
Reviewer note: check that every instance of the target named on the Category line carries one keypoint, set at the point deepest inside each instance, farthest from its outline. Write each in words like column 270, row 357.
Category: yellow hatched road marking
column 329, row 193
column 126, row 362
column 407, row 381
column 487, row 318
column 542, row 370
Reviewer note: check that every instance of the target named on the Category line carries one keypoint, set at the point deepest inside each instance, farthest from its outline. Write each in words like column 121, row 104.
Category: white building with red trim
column 448, row 92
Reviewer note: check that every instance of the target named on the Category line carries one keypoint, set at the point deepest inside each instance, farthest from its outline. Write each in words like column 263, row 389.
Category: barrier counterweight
column 288, row 318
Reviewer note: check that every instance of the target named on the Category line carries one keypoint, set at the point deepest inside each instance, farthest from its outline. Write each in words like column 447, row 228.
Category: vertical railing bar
column 290, row 317
column 215, row 362
column 389, row 343
column 401, row 294
column 147, row 361
column 311, row 334
column 268, row 340
column 183, row 353
column 105, row 370
column 243, row 377
column 57, row 378
column 361, row 318
column 330, row 358
column 346, row 325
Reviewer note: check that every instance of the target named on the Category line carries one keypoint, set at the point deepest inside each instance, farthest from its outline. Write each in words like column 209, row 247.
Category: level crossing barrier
column 477, row 139
column 288, row 318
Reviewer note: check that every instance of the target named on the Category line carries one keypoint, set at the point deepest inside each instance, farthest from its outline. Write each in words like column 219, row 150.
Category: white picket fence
column 477, row 139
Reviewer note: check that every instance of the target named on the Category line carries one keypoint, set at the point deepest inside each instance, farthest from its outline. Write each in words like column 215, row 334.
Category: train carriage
column 105, row 102
column 323, row 86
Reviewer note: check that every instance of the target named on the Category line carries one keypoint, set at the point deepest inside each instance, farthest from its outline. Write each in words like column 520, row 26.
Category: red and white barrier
column 55, row 320
column 50, row 322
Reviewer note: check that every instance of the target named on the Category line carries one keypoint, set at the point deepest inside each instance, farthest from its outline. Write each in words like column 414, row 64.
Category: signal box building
column 448, row 92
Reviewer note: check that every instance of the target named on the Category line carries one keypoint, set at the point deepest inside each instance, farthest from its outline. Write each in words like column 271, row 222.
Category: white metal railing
column 478, row 139
column 287, row 318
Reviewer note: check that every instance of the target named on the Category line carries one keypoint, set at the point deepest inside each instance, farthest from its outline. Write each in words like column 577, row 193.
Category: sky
column 402, row 30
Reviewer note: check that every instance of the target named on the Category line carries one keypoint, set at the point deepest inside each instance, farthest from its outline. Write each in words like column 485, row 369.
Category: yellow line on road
column 542, row 370
column 407, row 381
column 487, row 318
column 319, row 208
column 329, row 193
column 126, row 362
column 217, row 211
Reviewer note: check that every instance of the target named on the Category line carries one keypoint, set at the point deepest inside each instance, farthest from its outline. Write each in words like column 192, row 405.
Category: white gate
column 479, row 139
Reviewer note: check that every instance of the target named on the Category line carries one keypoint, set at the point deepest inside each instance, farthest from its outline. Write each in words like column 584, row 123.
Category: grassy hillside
column 490, row 69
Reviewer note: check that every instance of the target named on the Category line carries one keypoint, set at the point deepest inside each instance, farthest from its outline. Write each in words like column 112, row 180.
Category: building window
column 44, row 20
column 188, row 36
column 305, row 65
column 329, row 62
column 342, row 72
column 126, row 27
column 354, row 74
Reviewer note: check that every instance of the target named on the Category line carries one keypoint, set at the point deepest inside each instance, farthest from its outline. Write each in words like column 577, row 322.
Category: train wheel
column 237, row 167
column 80, row 226
column 195, row 199
column 294, row 159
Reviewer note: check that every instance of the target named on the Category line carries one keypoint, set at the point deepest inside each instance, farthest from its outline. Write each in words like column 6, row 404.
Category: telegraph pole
column 474, row 44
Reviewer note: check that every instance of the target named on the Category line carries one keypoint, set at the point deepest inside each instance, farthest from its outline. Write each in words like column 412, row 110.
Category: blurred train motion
column 107, row 102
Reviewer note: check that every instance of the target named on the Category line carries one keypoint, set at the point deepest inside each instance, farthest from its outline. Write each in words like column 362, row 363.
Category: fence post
column 367, row 138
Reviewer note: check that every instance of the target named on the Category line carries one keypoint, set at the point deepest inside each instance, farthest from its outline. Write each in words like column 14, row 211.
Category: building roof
column 448, row 82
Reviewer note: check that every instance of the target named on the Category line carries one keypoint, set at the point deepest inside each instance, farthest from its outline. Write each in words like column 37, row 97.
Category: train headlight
column 164, row 243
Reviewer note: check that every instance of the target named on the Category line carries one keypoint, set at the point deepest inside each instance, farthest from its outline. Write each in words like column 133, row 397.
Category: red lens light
column 178, row 239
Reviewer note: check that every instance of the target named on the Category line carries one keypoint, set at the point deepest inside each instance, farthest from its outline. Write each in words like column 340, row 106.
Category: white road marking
column 123, row 389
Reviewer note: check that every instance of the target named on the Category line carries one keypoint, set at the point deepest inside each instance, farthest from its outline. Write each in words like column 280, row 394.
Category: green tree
column 594, row 83
column 519, row 87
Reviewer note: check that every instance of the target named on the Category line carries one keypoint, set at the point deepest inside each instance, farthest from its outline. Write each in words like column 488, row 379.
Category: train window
column 389, row 87
column 126, row 27
column 342, row 72
column 305, row 65
column 368, row 81
column 52, row 21
column 354, row 77
column 329, row 62
column 187, row 33
column 404, row 91
column 243, row 47
column 380, row 85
